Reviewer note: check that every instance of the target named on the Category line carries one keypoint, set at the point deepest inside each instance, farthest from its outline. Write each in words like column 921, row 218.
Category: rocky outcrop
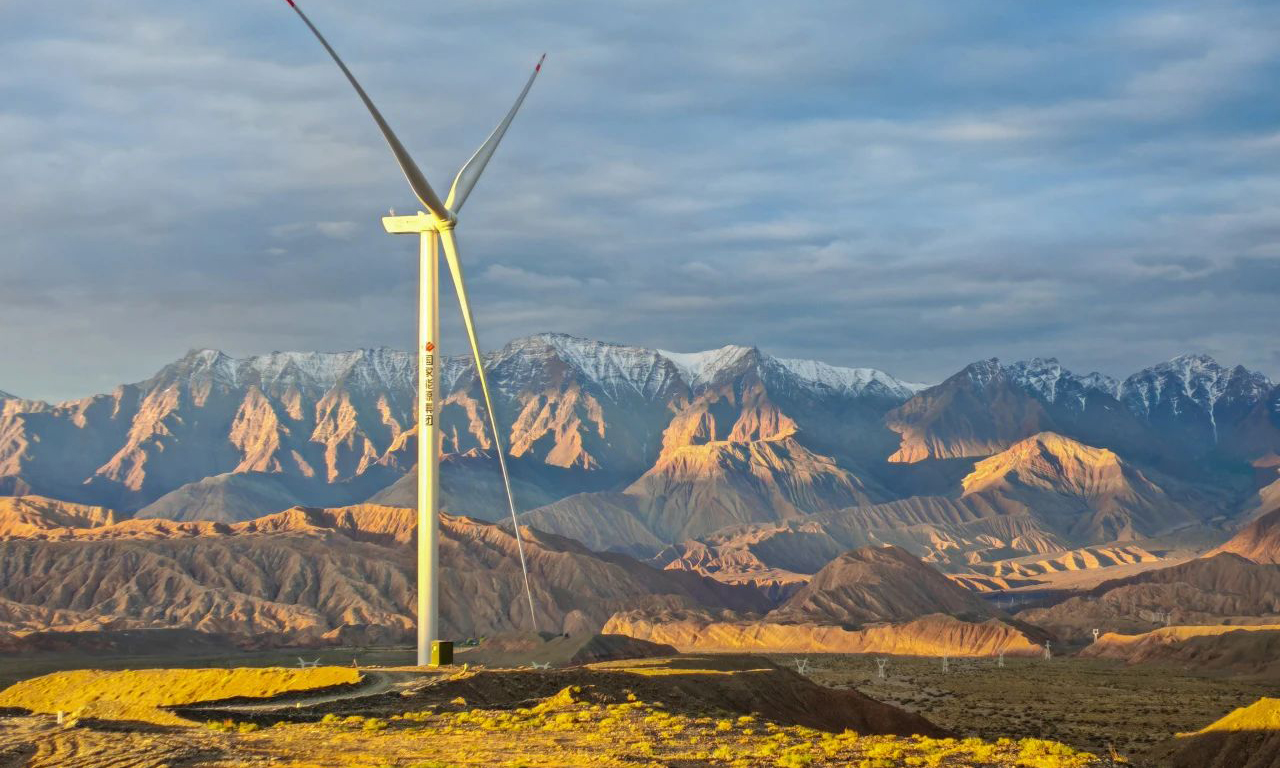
column 695, row 490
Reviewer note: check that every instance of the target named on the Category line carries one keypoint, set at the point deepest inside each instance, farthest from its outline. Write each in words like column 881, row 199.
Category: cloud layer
column 909, row 187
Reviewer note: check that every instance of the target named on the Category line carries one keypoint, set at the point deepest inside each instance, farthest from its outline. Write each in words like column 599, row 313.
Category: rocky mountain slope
column 1193, row 401
column 636, row 450
column 317, row 419
column 1047, row 496
column 1085, row 494
column 1259, row 541
column 308, row 576
column 878, row 584
column 316, row 426
column 696, row 489
column 1184, row 408
column 1083, row 559
column 998, row 461
column 1222, row 589
column 870, row 600
column 37, row 517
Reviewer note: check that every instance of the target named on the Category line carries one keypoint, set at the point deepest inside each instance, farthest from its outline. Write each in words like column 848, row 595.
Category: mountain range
column 718, row 456
column 307, row 576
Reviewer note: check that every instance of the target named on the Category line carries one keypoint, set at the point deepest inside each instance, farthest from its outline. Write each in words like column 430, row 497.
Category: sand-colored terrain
column 689, row 711
column 142, row 695
column 933, row 635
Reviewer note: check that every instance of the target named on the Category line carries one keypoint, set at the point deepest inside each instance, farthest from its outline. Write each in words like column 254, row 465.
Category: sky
column 909, row 186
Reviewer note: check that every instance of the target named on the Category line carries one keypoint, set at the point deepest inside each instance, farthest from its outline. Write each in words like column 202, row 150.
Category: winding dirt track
column 374, row 684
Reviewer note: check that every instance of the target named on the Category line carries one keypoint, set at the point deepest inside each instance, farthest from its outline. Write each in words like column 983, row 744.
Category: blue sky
column 908, row 186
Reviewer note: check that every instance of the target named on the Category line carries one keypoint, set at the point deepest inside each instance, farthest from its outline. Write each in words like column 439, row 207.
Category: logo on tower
column 431, row 346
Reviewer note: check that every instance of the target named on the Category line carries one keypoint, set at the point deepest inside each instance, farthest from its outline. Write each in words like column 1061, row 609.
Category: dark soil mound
column 694, row 685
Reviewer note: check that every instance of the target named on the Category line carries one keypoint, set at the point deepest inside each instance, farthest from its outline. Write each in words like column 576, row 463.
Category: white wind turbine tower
column 435, row 226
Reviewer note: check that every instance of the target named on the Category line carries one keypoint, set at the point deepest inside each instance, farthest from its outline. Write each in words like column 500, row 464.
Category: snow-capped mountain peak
column 612, row 367
column 1046, row 378
column 982, row 372
column 1198, row 378
column 701, row 368
column 364, row 369
column 1195, row 383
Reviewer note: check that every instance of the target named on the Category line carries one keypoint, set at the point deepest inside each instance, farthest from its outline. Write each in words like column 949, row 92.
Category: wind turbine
column 434, row 226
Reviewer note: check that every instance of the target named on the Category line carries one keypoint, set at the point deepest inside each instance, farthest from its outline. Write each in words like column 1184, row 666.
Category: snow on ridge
column 1040, row 375
column 1045, row 376
column 1195, row 379
column 618, row 365
column 853, row 380
column 362, row 367
column 365, row 368
column 700, row 368
column 1102, row 383
column 612, row 366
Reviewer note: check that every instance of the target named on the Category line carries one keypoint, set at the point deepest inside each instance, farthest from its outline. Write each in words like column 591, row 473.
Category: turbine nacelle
column 416, row 224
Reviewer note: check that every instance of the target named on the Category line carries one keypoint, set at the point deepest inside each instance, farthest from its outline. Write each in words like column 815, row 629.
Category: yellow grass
column 138, row 695
column 571, row 729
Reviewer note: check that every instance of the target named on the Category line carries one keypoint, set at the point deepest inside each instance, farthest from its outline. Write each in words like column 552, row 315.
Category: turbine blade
column 471, row 170
column 459, row 285
column 426, row 195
